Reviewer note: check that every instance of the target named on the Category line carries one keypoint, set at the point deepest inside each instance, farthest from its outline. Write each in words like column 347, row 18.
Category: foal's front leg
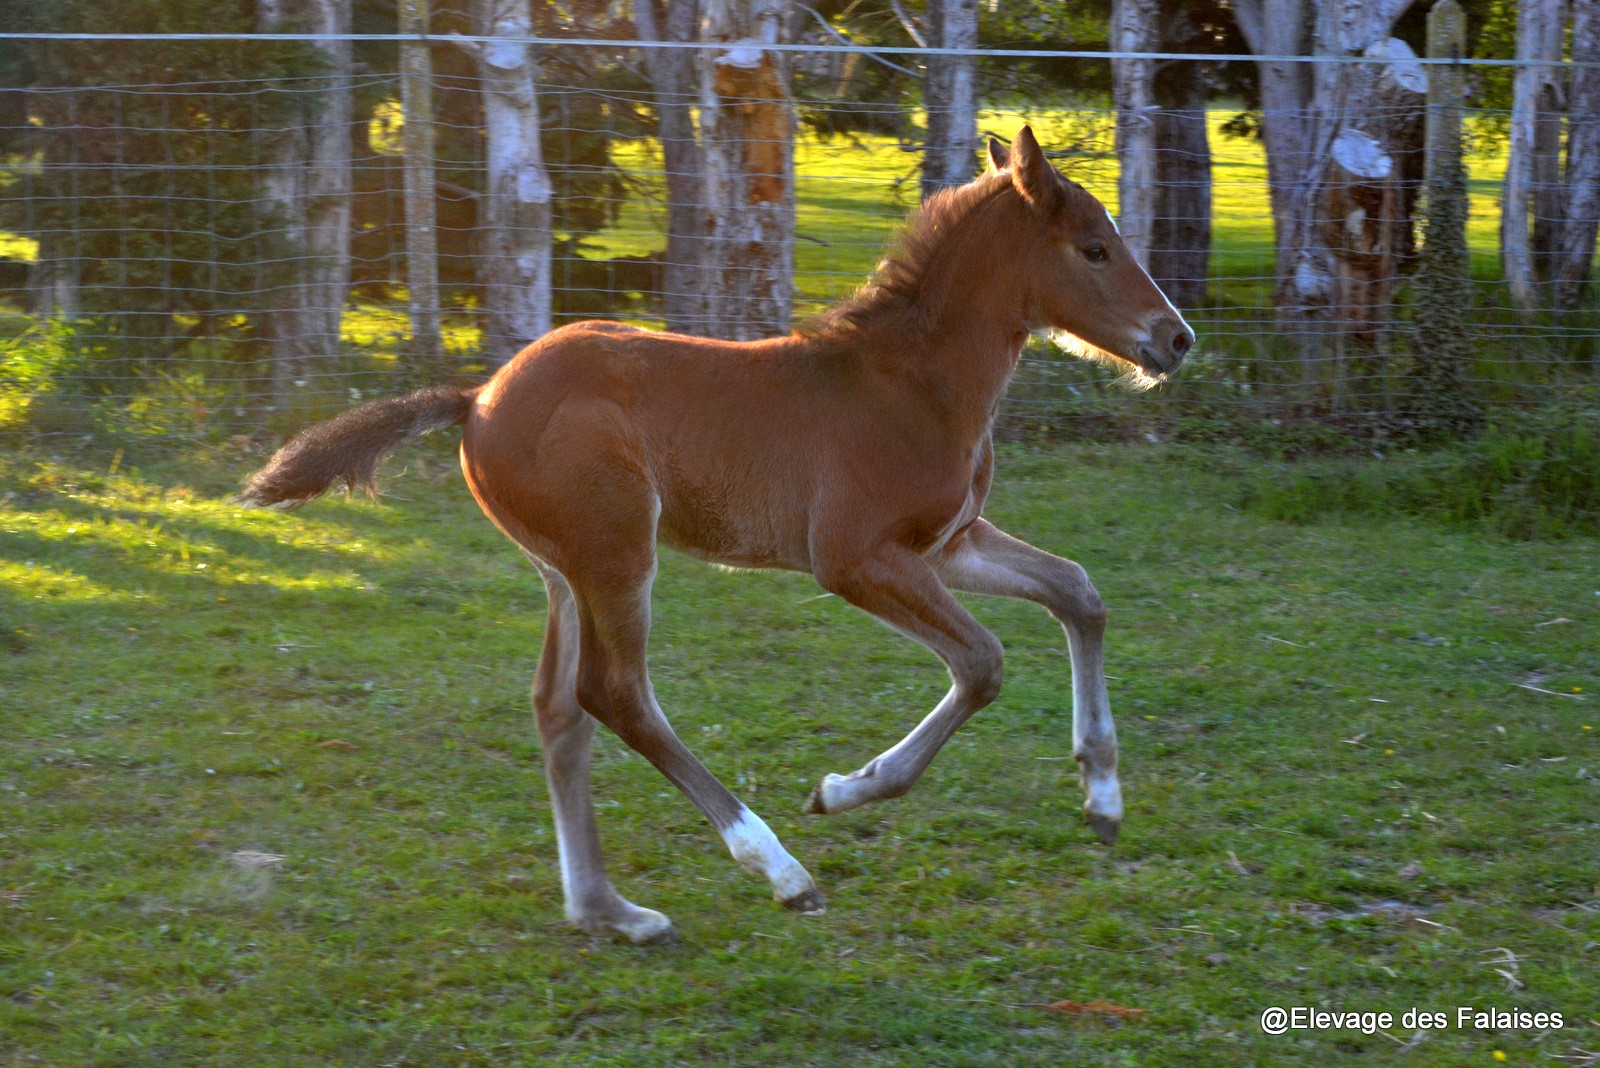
column 986, row 560
column 901, row 589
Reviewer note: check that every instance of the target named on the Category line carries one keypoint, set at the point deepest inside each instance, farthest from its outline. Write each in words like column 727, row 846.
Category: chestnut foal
column 857, row 449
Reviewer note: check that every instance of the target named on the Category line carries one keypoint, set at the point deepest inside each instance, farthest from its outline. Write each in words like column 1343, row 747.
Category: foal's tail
column 350, row 447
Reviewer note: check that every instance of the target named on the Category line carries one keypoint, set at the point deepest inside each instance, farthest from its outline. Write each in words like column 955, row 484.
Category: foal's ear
column 999, row 156
column 1032, row 174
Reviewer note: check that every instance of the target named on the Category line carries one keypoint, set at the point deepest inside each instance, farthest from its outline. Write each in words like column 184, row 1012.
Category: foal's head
column 1085, row 289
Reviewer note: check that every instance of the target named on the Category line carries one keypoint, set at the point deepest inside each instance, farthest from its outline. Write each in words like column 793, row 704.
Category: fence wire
column 142, row 244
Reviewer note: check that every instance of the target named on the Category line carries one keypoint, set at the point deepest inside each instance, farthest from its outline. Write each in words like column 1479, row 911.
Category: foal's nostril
column 1181, row 343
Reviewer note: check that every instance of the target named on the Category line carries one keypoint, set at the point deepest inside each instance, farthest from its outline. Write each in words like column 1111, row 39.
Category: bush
column 1533, row 475
column 48, row 380
column 37, row 368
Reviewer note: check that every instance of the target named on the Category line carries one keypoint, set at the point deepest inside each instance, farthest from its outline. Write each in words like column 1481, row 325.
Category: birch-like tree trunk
column 747, row 144
column 1574, row 259
column 1367, row 189
column 1282, row 28
column 1135, row 27
column 53, row 278
column 1304, row 114
column 674, row 81
column 307, row 184
column 514, row 270
column 950, row 97
column 422, row 241
column 1530, row 166
column 328, row 181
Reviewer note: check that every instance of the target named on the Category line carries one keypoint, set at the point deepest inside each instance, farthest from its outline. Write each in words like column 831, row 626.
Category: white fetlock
column 758, row 850
column 641, row 926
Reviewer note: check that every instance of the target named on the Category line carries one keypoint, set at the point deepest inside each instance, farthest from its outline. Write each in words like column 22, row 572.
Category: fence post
column 422, row 252
column 1440, row 402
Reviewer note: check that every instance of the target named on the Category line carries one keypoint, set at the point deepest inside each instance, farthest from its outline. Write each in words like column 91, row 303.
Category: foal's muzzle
column 1169, row 342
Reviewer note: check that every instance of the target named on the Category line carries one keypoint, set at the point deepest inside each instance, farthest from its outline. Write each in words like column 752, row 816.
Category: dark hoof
column 807, row 903
column 814, row 802
column 1104, row 827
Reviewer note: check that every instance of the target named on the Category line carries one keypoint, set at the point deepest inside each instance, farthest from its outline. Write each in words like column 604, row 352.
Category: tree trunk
column 514, row 271
column 283, row 324
column 1439, row 403
column 1135, row 27
column 1303, row 115
column 1575, row 258
column 53, row 278
column 674, row 81
column 1366, row 198
column 950, row 97
column 1180, row 247
column 328, row 182
column 1530, row 178
column 306, row 184
column 1281, row 28
column 747, row 142
column 422, row 247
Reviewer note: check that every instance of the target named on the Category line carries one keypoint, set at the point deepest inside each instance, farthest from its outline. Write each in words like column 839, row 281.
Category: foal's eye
column 1096, row 254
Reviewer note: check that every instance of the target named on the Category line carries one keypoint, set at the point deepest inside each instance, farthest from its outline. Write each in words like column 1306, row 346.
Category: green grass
column 1339, row 793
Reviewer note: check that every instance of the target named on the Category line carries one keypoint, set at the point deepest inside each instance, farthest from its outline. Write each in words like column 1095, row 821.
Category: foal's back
column 736, row 443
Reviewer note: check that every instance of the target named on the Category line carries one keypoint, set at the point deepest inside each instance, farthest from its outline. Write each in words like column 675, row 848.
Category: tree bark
column 328, row 183
column 1366, row 197
column 514, row 270
column 747, row 143
column 950, row 97
column 1180, row 252
column 1530, row 179
column 1575, row 256
column 53, row 278
column 422, row 243
column 1439, row 403
column 1282, row 28
column 282, row 323
column 307, row 184
column 1135, row 28
column 674, row 82
column 1304, row 112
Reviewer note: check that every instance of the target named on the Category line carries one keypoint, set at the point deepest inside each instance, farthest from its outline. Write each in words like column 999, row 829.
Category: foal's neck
column 972, row 327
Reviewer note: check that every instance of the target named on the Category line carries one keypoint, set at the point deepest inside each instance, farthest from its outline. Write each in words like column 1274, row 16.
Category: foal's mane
column 896, row 284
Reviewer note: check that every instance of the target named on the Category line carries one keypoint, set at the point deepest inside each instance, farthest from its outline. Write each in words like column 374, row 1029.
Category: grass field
column 269, row 792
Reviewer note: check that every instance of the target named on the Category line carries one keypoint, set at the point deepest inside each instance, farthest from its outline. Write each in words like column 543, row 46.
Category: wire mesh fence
column 151, row 231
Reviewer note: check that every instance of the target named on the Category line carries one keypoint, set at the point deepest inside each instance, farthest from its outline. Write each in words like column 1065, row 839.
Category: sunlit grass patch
column 27, row 579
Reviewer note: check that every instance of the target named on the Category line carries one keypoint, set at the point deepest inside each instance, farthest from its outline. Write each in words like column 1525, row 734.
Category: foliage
column 1535, row 475
column 35, row 368
column 269, row 792
column 140, row 164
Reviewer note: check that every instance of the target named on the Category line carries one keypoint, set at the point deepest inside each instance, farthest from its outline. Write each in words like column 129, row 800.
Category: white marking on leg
column 758, row 850
column 1104, row 796
column 892, row 771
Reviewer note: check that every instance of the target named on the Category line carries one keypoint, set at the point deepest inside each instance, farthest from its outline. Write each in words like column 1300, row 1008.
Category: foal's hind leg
column 613, row 685
column 985, row 560
column 567, row 731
